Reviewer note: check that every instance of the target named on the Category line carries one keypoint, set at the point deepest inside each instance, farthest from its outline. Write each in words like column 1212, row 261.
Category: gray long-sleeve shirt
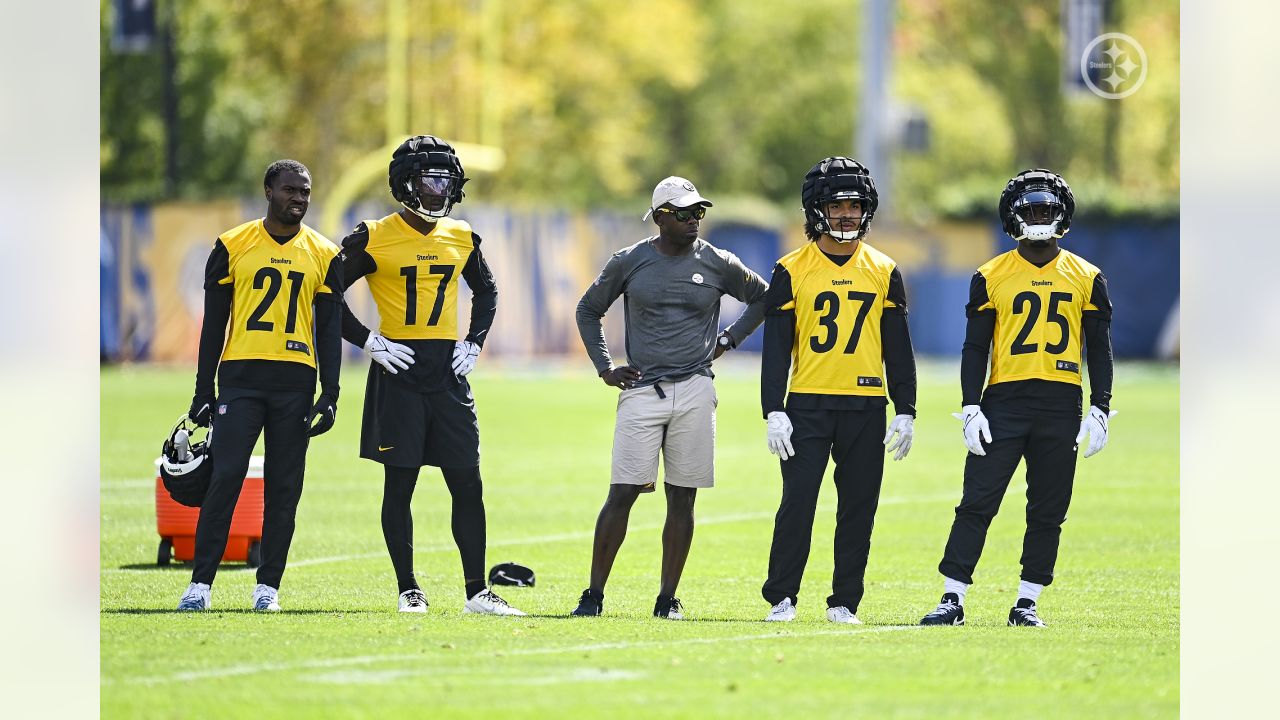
column 672, row 306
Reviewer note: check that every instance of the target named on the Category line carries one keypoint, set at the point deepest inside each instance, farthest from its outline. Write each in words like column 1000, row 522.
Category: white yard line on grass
column 255, row 668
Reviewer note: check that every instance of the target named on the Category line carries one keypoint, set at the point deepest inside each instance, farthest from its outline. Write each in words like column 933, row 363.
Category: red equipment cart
column 176, row 523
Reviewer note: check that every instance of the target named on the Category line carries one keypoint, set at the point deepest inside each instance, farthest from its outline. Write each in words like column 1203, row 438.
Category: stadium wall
column 152, row 264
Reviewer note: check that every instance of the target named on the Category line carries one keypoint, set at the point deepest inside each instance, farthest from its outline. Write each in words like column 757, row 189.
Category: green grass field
column 341, row 650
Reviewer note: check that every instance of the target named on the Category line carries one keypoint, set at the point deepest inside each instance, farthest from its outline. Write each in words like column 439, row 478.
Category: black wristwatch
column 725, row 341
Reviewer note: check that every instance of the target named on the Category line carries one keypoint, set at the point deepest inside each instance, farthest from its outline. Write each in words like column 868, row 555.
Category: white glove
column 975, row 428
column 388, row 354
column 779, row 435
column 905, row 428
column 464, row 357
column 1095, row 426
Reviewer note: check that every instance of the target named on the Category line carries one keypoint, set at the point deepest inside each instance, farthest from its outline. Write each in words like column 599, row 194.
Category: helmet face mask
column 833, row 180
column 845, row 229
column 426, row 177
column 1036, row 206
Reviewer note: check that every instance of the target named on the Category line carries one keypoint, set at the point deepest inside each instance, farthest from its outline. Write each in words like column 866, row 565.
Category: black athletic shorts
column 406, row 427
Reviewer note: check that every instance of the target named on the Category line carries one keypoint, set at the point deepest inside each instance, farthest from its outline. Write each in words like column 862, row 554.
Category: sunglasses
column 686, row 214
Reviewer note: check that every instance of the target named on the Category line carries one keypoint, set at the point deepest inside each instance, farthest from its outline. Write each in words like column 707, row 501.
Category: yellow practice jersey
column 1038, row 314
column 838, row 348
column 414, row 277
column 273, row 288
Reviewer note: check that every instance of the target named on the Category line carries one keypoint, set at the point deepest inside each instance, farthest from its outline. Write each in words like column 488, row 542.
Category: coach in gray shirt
column 671, row 286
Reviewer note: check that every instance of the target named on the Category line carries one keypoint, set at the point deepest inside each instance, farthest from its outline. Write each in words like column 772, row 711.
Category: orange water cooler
column 176, row 523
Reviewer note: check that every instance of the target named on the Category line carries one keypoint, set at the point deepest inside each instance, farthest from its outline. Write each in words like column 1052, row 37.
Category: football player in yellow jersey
column 265, row 277
column 418, row 408
column 836, row 324
column 1029, row 310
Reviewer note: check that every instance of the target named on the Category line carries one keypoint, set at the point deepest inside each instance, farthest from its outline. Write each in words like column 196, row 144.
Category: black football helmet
column 427, row 160
column 838, row 178
column 186, row 467
column 1037, row 205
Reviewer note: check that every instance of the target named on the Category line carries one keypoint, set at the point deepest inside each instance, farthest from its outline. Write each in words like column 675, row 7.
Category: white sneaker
column 842, row 615
column 487, row 602
column 197, row 597
column 413, row 601
column 782, row 612
column 264, row 598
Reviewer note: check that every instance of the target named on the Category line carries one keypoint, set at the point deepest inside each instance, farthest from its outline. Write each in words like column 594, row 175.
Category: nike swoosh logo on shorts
column 384, row 449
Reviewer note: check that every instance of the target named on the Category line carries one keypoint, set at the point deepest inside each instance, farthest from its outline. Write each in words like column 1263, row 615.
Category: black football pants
column 854, row 440
column 1049, row 446
column 282, row 416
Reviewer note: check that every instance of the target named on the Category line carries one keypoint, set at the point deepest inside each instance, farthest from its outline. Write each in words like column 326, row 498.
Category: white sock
column 1029, row 590
column 954, row 586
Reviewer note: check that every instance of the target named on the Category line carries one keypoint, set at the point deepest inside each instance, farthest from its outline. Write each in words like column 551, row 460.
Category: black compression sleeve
column 779, row 334
column 328, row 344
column 217, row 311
column 977, row 341
column 213, row 335
column 356, row 263
column 484, row 294
column 973, row 357
column 899, row 361
column 1097, row 345
column 1096, row 326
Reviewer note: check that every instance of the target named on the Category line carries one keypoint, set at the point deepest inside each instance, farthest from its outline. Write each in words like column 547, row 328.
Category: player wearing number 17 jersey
column 418, row 407
column 262, row 281
column 1030, row 311
column 836, row 318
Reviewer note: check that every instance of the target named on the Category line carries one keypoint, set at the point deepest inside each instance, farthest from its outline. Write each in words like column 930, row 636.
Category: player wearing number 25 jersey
column 1030, row 312
column 267, row 282
column 418, row 406
column 836, row 318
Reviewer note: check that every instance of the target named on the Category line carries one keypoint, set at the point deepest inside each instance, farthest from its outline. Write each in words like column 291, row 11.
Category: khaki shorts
column 682, row 425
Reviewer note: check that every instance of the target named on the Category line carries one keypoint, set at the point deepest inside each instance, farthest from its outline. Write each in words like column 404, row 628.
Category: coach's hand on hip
column 624, row 377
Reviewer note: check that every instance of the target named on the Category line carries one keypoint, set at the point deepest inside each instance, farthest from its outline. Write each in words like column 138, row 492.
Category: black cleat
column 1024, row 614
column 590, row 604
column 668, row 607
column 948, row 612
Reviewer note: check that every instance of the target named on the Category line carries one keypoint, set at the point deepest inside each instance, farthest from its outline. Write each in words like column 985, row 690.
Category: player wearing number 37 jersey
column 1030, row 311
column 265, row 281
column 836, row 318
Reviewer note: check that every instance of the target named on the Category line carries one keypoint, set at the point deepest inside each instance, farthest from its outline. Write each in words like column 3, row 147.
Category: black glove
column 323, row 413
column 201, row 412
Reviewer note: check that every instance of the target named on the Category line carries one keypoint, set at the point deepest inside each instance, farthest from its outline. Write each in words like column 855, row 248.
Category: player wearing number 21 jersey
column 266, row 281
column 836, row 319
column 1030, row 310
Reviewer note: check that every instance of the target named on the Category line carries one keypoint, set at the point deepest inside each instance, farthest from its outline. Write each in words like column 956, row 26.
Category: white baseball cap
column 676, row 191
